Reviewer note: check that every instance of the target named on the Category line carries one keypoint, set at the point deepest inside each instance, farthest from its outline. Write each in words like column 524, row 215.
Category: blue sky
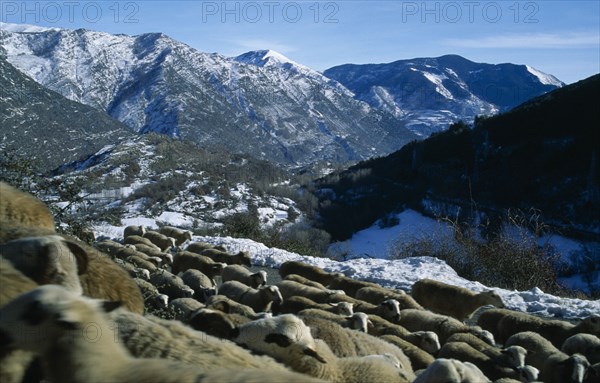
column 558, row 37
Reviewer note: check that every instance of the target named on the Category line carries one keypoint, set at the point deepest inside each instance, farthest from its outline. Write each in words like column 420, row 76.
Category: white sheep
column 202, row 285
column 229, row 306
column 142, row 263
column 162, row 241
column 217, row 323
column 55, row 323
column 170, row 284
column 427, row 340
column 356, row 321
column 388, row 309
column 13, row 283
column 241, row 258
column 48, row 259
column 185, row 260
column 134, row 272
column 444, row 370
column 258, row 299
column 376, row 295
column 287, row 338
column 109, row 246
column 349, row 285
column 184, row 308
column 419, row 358
column 153, row 252
column 304, row 281
column 554, row 365
column 180, row 235
column 136, row 239
column 504, row 323
column 18, row 208
column 492, row 368
column 455, row 301
column 444, row 326
column 311, row 272
column 291, row 288
column 513, row 356
column 134, row 230
column 242, row 274
column 584, row 344
column 198, row 247
column 294, row 304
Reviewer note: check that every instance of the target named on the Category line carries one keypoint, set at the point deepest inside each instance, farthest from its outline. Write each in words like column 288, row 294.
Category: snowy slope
column 393, row 274
column 430, row 93
column 260, row 103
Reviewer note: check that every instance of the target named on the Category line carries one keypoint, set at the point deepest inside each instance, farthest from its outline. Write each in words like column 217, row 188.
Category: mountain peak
column 265, row 57
column 18, row 28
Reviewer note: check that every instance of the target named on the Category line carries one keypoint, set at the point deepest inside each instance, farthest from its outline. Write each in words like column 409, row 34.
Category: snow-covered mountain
column 430, row 93
column 44, row 126
column 260, row 103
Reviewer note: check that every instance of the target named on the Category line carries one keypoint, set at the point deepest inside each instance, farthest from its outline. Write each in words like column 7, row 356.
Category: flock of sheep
column 70, row 312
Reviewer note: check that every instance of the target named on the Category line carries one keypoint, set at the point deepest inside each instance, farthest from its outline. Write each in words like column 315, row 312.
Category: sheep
column 584, row 344
column 258, row 300
column 555, row 366
column 136, row 239
column 48, row 259
column 308, row 271
column 180, row 235
column 131, row 250
column 287, row 338
column 528, row 373
column 170, row 284
column 356, row 321
column 151, row 294
column 376, row 295
column 229, row 306
column 184, row 308
column 217, row 323
column 444, row 326
column 304, row 281
column 241, row 258
column 133, row 271
column 504, row 323
column 444, row 370
column 49, row 321
column 426, row 340
column 290, row 288
column 18, row 208
column 294, row 304
column 134, row 230
column 109, row 246
column 162, row 241
column 513, row 356
column 491, row 367
column 185, row 260
column 242, row 274
column 140, row 262
column 388, row 309
column 152, row 252
column 198, row 247
column 365, row 369
column 13, row 283
column 349, row 285
column 103, row 279
column 454, row 301
column 419, row 358
column 202, row 285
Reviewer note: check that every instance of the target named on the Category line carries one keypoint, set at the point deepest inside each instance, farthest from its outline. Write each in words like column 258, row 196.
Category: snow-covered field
column 389, row 273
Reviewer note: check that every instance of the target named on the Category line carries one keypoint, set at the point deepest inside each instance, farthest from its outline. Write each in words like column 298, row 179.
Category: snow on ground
column 389, row 273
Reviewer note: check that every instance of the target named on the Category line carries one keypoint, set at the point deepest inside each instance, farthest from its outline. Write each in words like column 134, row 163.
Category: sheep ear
column 108, row 306
column 279, row 339
column 80, row 255
column 333, row 304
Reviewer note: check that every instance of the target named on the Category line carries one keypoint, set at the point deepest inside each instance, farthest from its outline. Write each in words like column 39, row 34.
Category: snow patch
column 546, row 79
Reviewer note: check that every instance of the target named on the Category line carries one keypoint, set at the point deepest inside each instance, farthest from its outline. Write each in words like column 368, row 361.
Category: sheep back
column 23, row 209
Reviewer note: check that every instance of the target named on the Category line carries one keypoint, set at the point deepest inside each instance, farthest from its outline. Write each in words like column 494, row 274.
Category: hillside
column 48, row 128
column 431, row 93
column 543, row 154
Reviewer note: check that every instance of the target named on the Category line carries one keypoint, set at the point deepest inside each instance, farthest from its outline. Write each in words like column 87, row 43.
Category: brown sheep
column 180, row 235
column 23, row 209
column 241, row 258
column 311, row 272
column 458, row 302
column 376, row 295
column 185, row 260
